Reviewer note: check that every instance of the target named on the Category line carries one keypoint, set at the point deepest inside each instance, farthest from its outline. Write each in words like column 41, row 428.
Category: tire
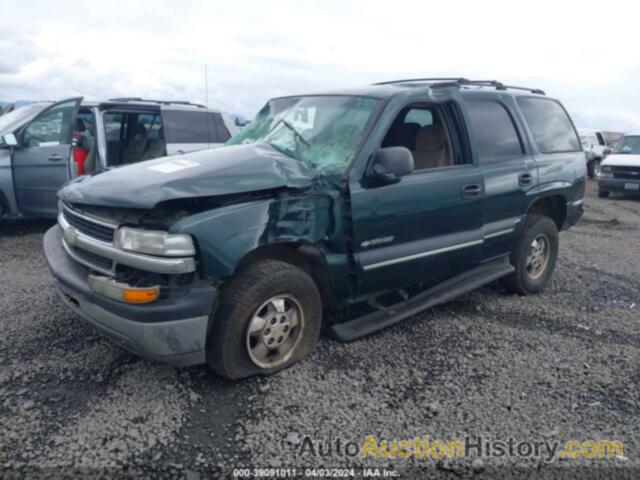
column 526, row 279
column 603, row 194
column 258, row 294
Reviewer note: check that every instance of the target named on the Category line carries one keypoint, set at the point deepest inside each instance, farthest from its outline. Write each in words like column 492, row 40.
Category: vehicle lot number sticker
column 174, row 165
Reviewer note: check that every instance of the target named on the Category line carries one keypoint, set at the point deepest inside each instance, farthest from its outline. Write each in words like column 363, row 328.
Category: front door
column 427, row 227
column 41, row 160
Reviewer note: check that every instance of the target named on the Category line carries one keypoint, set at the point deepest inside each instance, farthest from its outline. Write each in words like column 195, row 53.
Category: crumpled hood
column 622, row 160
column 221, row 171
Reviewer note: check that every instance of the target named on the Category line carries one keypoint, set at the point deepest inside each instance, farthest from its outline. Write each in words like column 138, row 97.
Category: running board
column 452, row 288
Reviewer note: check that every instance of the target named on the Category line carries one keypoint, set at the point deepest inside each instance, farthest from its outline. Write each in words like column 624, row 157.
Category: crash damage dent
column 310, row 221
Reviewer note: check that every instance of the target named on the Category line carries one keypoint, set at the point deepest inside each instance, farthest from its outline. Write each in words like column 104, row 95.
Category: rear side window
column 194, row 127
column 222, row 133
column 185, row 127
column 550, row 125
column 493, row 128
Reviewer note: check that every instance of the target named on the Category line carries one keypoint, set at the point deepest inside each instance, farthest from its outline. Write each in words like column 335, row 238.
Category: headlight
column 154, row 242
column 606, row 171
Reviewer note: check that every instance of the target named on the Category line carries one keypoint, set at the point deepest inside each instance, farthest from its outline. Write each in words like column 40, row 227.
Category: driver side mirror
column 9, row 140
column 606, row 151
column 390, row 164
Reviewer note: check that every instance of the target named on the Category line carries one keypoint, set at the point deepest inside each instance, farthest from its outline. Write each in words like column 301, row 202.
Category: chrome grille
column 93, row 228
column 93, row 259
column 626, row 172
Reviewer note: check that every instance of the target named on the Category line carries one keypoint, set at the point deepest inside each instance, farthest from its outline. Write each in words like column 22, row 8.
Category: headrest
column 431, row 138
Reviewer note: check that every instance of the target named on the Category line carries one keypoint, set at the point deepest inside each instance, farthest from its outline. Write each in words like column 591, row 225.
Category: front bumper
column 618, row 185
column 171, row 330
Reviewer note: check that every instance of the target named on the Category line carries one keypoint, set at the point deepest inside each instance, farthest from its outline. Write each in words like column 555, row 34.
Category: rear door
column 509, row 171
column 41, row 161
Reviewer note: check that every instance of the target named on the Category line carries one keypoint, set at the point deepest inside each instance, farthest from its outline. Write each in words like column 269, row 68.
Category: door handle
column 524, row 179
column 55, row 158
column 471, row 190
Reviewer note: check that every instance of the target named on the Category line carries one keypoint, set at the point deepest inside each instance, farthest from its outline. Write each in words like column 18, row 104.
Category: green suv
column 402, row 194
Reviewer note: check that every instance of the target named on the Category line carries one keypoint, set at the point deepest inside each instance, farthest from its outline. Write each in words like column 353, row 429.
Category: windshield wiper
column 292, row 128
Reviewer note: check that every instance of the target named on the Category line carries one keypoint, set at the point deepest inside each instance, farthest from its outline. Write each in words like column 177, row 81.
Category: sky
column 584, row 53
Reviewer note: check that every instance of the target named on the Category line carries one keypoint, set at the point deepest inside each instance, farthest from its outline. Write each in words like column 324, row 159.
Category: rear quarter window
column 550, row 125
column 495, row 134
column 194, row 127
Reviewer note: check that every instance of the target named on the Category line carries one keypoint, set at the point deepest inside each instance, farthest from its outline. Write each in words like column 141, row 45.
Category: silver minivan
column 45, row 144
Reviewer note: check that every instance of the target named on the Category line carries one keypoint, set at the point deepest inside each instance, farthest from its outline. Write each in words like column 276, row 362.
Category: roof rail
column 435, row 79
column 461, row 82
column 160, row 102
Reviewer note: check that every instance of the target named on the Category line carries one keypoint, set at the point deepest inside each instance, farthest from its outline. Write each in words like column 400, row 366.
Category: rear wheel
column 533, row 256
column 269, row 318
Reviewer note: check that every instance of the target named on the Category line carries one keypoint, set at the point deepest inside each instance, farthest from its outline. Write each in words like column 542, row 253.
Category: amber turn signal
column 140, row 295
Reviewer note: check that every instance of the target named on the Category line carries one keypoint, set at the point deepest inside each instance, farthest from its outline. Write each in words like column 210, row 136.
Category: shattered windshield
column 629, row 144
column 323, row 131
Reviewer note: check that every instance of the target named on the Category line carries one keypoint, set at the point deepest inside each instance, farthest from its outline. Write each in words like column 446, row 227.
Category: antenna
column 209, row 117
column 206, row 87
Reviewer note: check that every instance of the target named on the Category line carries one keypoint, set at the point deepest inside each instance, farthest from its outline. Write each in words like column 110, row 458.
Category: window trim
column 497, row 159
column 533, row 139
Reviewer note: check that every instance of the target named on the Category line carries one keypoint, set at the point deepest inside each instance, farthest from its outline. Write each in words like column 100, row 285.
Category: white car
column 620, row 171
column 595, row 149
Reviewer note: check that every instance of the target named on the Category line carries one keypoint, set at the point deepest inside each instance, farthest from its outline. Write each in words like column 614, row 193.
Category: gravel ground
column 562, row 365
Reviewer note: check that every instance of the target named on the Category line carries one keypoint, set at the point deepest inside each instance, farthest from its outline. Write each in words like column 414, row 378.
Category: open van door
column 41, row 161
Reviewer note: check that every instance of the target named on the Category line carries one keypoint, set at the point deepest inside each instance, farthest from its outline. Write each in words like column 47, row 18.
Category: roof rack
column 461, row 82
column 160, row 102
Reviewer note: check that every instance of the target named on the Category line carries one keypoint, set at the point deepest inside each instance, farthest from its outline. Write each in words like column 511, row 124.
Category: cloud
column 257, row 50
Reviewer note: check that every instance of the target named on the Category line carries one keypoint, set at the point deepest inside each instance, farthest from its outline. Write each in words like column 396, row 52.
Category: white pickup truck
column 595, row 149
column 620, row 171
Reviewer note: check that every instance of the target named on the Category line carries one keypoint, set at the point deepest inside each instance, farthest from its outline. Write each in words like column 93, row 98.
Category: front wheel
column 533, row 256
column 603, row 193
column 269, row 318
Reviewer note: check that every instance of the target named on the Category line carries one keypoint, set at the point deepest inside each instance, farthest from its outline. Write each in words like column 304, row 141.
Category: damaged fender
column 226, row 235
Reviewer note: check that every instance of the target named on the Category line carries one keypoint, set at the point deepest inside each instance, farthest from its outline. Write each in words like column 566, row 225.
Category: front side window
column 51, row 128
column 423, row 131
column 629, row 144
column 496, row 135
column 9, row 122
column 549, row 124
column 322, row 131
